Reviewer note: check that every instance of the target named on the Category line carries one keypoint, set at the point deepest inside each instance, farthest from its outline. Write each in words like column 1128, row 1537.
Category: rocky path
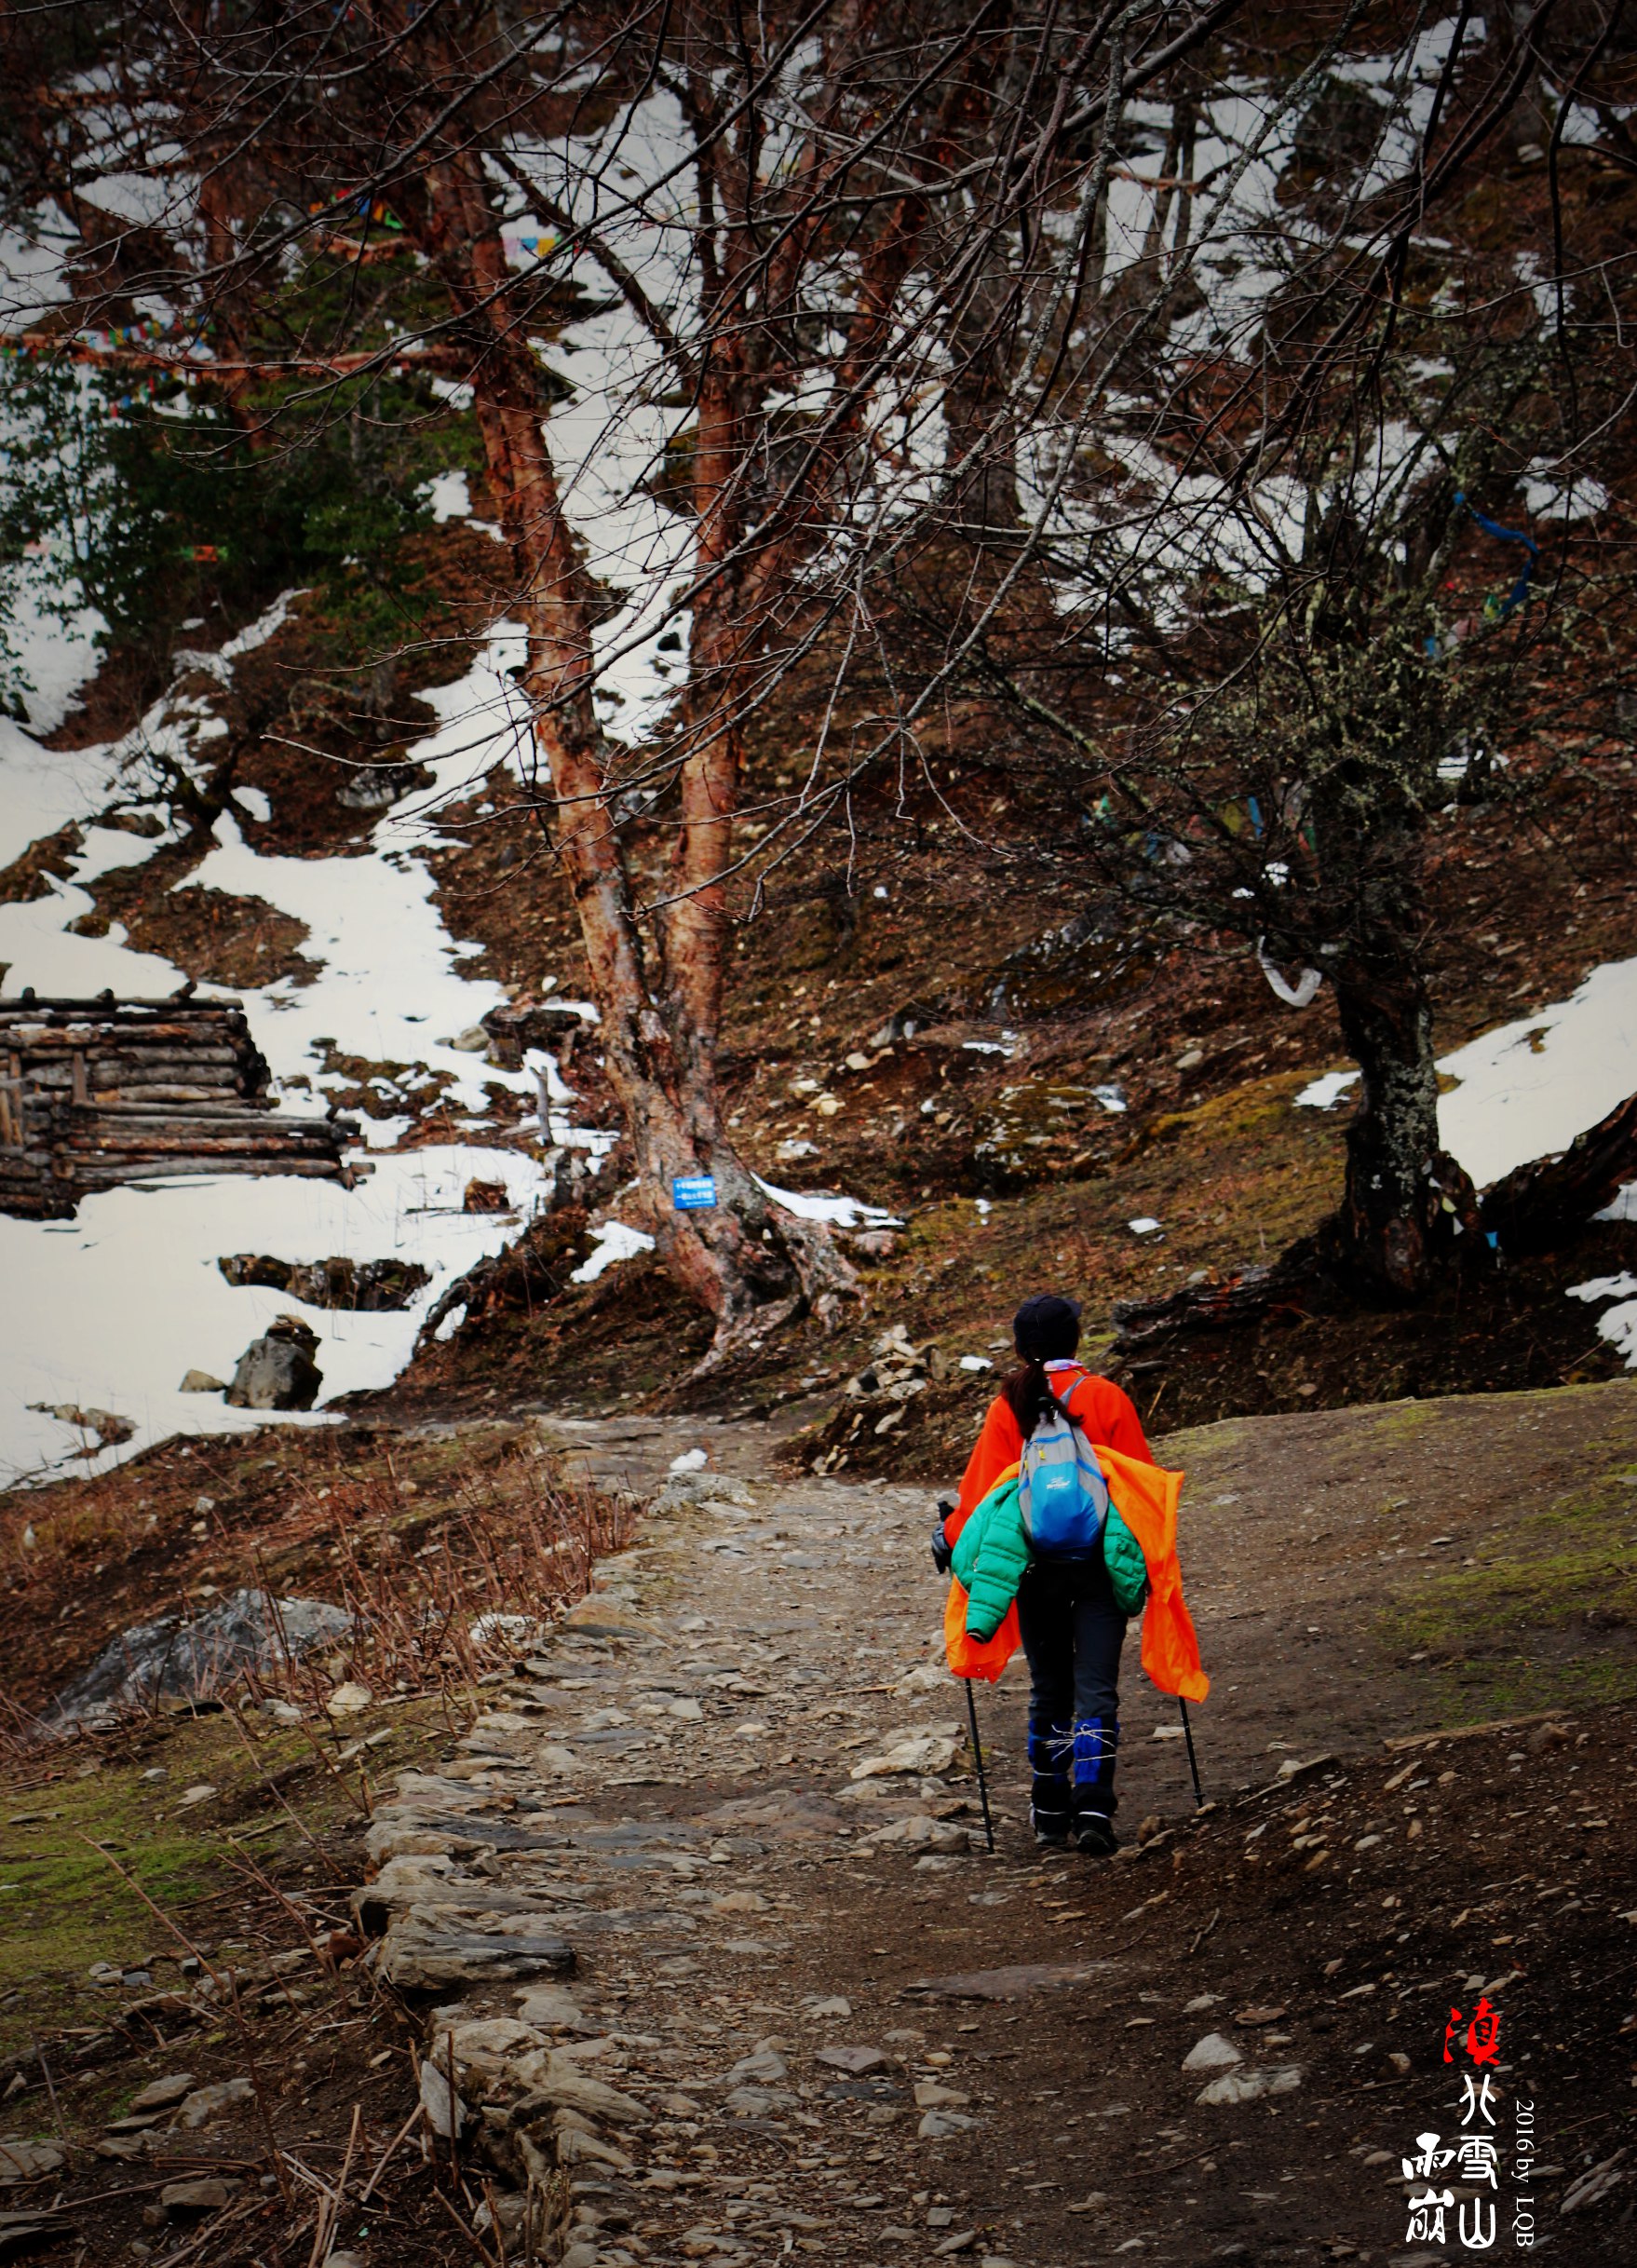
column 630, row 1896
column 716, row 1966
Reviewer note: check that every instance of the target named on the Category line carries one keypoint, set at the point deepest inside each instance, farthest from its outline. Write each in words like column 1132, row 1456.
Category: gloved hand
column 942, row 1550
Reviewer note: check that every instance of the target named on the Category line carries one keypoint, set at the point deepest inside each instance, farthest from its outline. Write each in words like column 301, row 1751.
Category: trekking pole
column 978, row 1759
column 1193, row 1759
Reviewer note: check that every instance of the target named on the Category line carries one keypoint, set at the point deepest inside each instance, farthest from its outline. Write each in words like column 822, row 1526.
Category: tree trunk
column 1407, row 1209
column 747, row 1261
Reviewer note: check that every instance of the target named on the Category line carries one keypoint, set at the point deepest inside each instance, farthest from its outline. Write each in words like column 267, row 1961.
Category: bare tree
column 796, row 226
column 1318, row 488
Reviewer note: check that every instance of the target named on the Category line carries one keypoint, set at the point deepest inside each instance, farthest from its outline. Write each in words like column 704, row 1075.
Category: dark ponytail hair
column 1027, row 1394
column 1045, row 1329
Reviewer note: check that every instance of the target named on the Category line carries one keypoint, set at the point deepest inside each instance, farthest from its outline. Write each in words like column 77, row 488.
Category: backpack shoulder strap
column 1067, row 1402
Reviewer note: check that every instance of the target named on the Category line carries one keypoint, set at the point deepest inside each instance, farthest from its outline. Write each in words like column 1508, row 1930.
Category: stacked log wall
column 94, row 1093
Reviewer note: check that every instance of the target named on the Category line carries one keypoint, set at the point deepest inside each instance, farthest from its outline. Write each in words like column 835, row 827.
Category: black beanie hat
column 1046, row 1328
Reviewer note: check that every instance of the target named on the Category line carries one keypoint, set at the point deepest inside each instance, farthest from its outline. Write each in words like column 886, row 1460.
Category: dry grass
column 450, row 1556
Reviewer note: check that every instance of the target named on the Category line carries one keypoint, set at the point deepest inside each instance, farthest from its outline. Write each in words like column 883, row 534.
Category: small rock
column 201, row 1383
column 765, row 2064
column 421, row 1954
column 206, row 2103
column 276, row 1371
column 347, row 1700
column 930, row 1752
column 740, row 1902
column 445, row 2111
column 209, row 2194
column 1211, row 2054
column 22, row 2161
column 932, row 2095
column 550, row 2007
column 1258, row 2016
column 857, row 2060
column 935, row 2124
column 159, row 2094
column 831, row 2006
column 702, row 1488
column 202, row 1793
column 1252, row 2085
column 687, row 1710
column 962, row 2241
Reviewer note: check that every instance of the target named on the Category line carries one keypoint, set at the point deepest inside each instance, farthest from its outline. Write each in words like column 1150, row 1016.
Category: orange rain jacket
column 1145, row 1495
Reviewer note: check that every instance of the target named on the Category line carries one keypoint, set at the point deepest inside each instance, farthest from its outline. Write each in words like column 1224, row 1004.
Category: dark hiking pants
column 1073, row 1632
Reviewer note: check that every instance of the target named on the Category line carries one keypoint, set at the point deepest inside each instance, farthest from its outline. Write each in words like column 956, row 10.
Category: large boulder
column 189, row 1660
column 276, row 1371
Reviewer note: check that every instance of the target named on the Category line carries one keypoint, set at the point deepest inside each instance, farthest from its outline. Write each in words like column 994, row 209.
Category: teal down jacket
column 991, row 1554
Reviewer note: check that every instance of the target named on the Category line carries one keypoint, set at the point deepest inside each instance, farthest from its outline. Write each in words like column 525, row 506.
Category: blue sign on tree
column 692, row 1192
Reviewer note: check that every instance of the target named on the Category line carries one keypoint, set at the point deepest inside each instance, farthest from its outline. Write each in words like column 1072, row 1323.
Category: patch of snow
column 1549, row 495
column 111, row 1308
column 976, row 1362
column 1112, row 1098
column 690, row 1460
column 985, row 1047
column 254, row 802
column 448, row 495
column 123, row 1300
column 57, row 657
column 522, row 1629
column 1326, row 1092
column 616, row 1241
column 1619, row 1326
column 824, row 1205
column 1526, row 1089
column 1623, row 1286
column 1145, row 1225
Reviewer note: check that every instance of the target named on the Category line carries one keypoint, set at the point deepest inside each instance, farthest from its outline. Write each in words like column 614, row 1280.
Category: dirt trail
column 752, row 2004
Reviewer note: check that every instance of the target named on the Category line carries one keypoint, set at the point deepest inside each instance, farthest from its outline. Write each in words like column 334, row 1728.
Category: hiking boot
column 1044, row 1842
column 1096, row 1838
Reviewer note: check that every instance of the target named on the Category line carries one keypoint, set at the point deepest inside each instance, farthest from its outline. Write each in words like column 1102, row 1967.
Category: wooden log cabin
column 97, row 1093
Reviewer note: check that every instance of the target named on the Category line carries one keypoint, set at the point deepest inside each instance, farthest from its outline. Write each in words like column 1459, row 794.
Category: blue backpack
column 1061, row 1493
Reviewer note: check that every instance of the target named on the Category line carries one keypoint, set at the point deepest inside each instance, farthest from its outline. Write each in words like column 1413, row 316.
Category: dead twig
column 382, row 2162
column 329, row 2221
column 1200, row 1934
column 467, row 2231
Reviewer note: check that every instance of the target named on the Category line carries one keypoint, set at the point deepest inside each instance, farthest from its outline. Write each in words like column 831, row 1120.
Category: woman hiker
column 1064, row 1526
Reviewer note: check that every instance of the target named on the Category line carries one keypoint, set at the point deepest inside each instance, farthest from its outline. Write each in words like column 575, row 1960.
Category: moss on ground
column 65, row 1902
column 1544, row 1616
